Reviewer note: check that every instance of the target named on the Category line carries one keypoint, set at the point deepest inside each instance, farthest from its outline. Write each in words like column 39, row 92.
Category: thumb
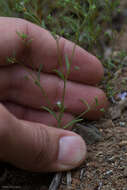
column 37, row 147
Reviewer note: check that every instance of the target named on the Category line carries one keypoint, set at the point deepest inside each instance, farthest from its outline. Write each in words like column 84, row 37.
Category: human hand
column 26, row 138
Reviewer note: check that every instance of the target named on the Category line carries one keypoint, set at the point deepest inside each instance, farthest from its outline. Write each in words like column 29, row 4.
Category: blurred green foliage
column 81, row 21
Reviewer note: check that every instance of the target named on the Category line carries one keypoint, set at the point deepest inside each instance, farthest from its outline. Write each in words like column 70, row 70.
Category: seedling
column 79, row 21
column 63, row 76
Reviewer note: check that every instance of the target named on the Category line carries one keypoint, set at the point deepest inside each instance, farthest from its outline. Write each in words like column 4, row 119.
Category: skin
column 28, row 137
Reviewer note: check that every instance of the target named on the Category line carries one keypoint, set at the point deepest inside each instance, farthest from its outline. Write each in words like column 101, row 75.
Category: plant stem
column 37, row 82
column 64, row 89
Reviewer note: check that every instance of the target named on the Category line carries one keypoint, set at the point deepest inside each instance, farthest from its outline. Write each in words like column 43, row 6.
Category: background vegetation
column 82, row 21
column 88, row 23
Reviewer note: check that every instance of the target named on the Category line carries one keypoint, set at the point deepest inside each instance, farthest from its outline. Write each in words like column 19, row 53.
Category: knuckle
column 4, row 117
column 5, row 122
column 42, row 141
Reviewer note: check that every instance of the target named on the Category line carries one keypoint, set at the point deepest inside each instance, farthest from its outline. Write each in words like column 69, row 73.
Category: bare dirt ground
column 106, row 165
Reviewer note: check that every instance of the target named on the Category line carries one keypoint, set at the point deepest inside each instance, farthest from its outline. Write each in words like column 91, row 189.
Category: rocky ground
column 106, row 165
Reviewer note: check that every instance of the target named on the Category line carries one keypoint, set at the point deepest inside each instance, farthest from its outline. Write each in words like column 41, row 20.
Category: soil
column 105, row 167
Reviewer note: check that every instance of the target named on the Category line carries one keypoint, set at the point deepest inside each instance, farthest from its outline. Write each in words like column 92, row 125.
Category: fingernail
column 72, row 151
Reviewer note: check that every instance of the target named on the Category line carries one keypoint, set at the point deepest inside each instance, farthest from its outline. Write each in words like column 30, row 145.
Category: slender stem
column 58, row 52
column 77, row 119
column 38, row 84
column 64, row 89
column 62, row 105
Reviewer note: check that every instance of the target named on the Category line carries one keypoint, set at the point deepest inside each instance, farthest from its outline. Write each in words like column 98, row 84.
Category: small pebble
column 122, row 124
column 123, row 143
column 89, row 133
column 108, row 124
column 125, row 172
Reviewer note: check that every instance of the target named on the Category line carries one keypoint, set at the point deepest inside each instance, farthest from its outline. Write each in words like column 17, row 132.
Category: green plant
column 82, row 22
column 61, row 75
column 64, row 77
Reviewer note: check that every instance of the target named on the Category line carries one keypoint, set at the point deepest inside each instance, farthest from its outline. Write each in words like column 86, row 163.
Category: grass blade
column 60, row 74
column 50, row 111
column 39, row 71
column 72, row 122
column 67, row 64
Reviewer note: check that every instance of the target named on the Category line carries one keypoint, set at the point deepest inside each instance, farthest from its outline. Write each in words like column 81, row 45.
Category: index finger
column 43, row 50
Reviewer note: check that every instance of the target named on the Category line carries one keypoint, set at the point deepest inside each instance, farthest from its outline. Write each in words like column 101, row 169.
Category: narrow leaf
column 60, row 74
column 72, row 122
column 32, row 17
column 85, row 103
column 39, row 71
column 67, row 63
column 50, row 111
column 96, row 100
column 37, row 83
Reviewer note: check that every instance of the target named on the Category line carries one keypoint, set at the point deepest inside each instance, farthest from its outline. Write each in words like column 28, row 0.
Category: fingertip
column 99, row 106
column 72, row 152
column 66, row 150
column 90, row 70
